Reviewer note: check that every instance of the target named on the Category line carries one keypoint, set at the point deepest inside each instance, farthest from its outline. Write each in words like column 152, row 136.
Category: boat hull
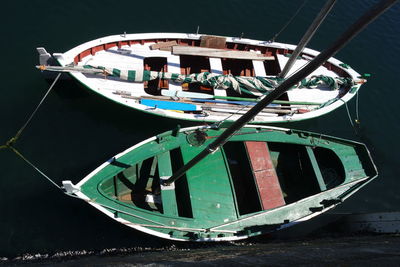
column 210, row 203
column 134, row 51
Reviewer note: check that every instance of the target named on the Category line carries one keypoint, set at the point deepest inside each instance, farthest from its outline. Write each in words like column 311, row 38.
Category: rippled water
column 75, row 131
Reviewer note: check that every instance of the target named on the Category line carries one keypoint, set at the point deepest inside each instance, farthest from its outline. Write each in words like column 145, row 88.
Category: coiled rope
column 10, row 143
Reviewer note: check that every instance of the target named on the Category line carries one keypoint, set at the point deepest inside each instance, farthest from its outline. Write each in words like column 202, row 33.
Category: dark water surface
column 75, row 131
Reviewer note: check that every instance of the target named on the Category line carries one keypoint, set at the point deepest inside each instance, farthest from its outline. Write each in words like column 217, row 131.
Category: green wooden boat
column 263, row 179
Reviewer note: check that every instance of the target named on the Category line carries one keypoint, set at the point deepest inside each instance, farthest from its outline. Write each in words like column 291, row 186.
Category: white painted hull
column 131, row 56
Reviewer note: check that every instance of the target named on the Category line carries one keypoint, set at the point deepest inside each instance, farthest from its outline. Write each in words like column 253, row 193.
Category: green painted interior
column 182, row 192
column 295, row 172
column 168, row 197
column 332, row 169
column 133, row 184
column 247, row 198
column 316, row 168
column 220, row 189
column 209, row 186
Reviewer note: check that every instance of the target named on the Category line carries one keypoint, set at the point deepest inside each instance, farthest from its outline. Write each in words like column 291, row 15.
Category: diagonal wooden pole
column 349, row 34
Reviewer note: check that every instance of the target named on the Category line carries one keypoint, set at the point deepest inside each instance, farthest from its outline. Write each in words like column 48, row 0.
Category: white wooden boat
column 149, row 72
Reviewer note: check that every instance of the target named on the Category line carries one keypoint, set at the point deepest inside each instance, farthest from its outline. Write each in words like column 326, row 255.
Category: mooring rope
column 14, row 139
column 290, row 21
column 10, row 143
column 357, row 120
column 36, row 109
column 350, row 118
column 34, row 167
column 348, row 112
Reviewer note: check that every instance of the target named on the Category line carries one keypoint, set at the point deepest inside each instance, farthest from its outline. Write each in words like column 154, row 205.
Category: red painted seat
column 267, row 181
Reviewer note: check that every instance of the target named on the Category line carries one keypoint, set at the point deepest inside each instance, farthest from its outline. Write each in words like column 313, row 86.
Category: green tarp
column 241, row 84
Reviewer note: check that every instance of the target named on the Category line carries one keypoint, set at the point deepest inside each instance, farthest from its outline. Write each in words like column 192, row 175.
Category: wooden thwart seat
column 168, row 196
column 267, row 181
column 218, row 53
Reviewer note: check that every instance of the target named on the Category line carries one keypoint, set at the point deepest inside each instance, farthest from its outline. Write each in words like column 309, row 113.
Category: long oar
column 177, row 93
column 70, row 69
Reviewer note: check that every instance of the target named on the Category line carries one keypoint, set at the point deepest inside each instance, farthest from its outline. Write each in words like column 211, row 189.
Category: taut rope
column 10, row 143
column 290, row 21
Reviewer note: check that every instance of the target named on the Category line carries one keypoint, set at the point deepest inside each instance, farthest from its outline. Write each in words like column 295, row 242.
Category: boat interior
column 158, row 55
column 259, row 176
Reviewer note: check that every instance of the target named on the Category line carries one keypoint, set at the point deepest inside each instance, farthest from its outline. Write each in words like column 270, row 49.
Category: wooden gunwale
column 265, row 50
